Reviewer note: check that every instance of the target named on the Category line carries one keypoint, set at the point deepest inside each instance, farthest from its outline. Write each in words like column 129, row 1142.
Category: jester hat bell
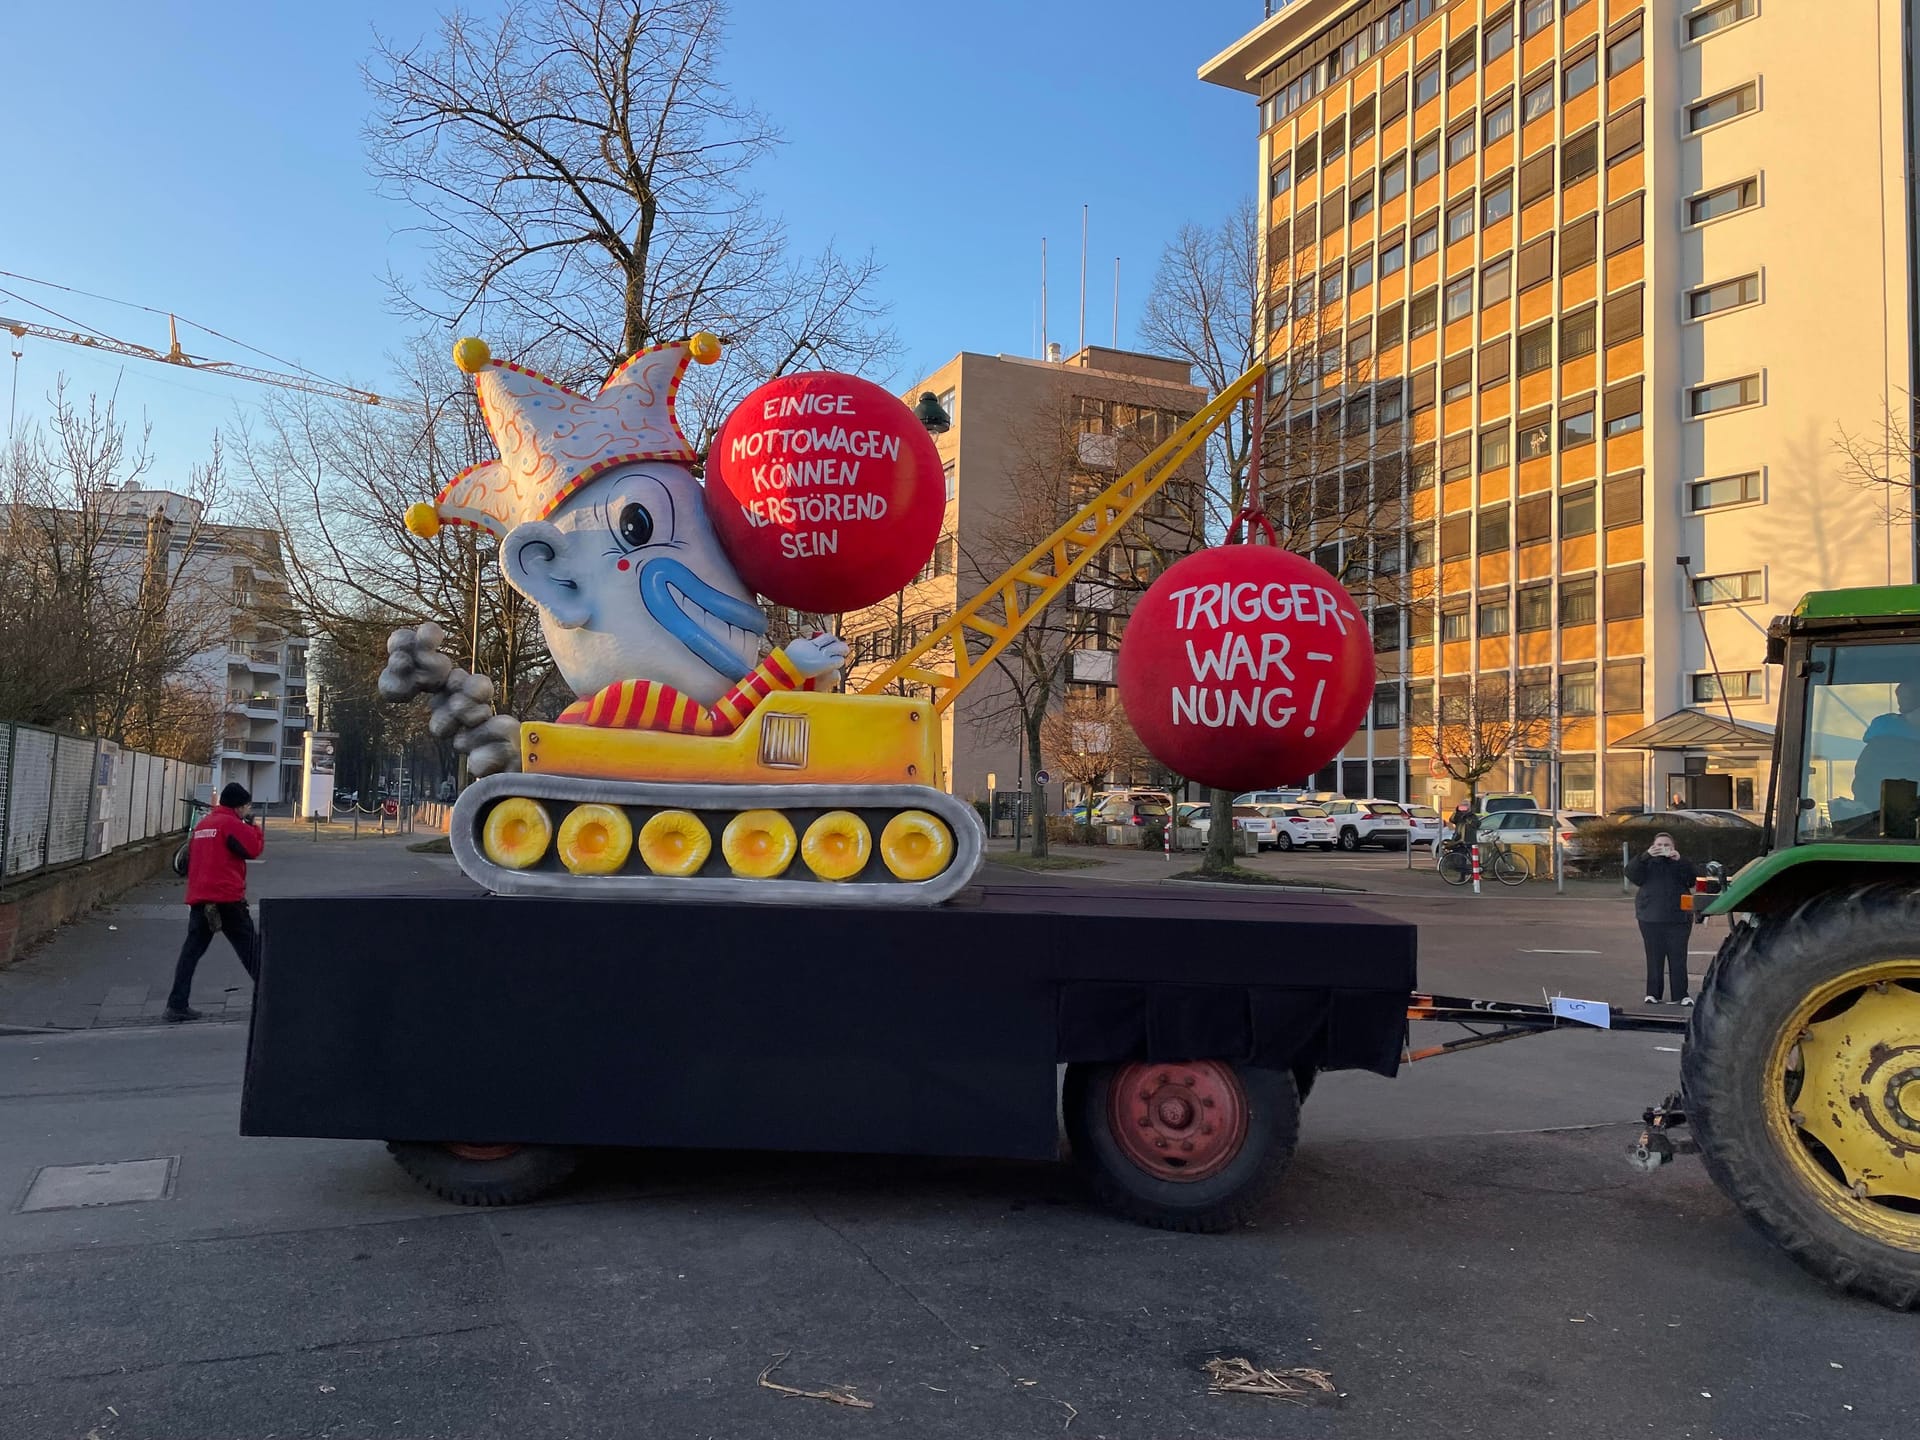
column 553, row 440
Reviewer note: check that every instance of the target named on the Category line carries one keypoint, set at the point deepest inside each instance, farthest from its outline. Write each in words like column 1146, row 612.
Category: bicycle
column 1455, row 864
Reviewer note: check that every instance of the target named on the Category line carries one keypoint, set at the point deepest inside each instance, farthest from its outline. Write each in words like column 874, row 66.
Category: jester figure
column 602, row 525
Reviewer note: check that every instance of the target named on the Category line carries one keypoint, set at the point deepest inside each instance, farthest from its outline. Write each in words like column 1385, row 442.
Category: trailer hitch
column 1658, row 1144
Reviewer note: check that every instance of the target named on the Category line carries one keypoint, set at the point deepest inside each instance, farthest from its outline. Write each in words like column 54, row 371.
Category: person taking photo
column 1663, row 876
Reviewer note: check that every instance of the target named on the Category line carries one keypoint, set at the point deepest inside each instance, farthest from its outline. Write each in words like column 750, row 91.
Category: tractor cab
column 1846, row 762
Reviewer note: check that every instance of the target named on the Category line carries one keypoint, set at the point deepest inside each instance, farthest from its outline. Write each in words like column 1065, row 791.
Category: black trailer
column 489, row 1039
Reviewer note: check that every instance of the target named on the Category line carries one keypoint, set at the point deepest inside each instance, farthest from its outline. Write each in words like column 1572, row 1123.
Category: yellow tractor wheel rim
column 1842, row 1098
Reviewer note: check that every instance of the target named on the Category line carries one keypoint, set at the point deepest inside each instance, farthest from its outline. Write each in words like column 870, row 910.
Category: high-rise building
column 1029, row 441
column 1618, row 279
column 256, row 675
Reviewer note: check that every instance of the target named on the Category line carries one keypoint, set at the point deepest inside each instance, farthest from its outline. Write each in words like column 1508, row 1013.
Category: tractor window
column 1862, row 746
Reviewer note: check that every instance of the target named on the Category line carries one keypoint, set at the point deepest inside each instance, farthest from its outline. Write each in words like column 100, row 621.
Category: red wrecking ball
column 826, row 491
column 1245, row 667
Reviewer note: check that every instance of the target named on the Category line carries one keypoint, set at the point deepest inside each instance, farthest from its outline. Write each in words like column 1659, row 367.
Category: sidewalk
column 114, row 967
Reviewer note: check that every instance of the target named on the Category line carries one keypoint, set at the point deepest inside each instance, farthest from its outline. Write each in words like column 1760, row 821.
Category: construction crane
column 174, row 355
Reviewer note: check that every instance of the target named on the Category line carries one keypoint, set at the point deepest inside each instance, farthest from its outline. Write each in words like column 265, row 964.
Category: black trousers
column 236, row 923
column 1666, row 940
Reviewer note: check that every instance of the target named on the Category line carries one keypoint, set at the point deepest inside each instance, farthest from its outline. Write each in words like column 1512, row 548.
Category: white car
column 1298, row 826
column 1534, row 827
column 1271, row 797
column 1368, row 822
column 1424, row 825
column 1264, row 828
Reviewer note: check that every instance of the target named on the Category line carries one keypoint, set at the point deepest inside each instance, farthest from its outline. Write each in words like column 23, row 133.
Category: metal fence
column 65, row 798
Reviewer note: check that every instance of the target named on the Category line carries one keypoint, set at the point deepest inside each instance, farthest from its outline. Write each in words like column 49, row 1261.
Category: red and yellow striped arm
column 650, row 705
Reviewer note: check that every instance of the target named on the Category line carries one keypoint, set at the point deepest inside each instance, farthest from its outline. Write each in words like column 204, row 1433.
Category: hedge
column 1596, row 845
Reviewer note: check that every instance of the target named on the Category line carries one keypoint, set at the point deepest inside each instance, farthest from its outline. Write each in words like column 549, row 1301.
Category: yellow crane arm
column 174, row 355
column 1039, row 577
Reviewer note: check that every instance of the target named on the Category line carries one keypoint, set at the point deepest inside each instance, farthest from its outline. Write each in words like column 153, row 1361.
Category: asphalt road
column 1462, row 1249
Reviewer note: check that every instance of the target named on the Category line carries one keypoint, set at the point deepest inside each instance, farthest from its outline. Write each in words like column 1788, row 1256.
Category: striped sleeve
column 650, row 705
column 775, row 672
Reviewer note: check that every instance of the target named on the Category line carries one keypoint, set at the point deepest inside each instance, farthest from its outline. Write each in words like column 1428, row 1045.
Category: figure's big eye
column 636, row 525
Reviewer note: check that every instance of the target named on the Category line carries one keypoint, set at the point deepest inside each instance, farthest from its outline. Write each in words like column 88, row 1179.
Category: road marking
column 1559, row 952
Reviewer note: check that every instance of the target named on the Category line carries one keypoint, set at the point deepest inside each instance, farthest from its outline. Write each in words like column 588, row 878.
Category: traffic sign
column 1040, row 777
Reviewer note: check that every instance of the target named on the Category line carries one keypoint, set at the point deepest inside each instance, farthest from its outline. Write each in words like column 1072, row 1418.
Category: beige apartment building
column 1616, row 276
column 1029, row 442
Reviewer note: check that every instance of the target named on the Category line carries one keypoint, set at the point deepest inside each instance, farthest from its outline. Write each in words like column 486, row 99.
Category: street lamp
column 929, row 414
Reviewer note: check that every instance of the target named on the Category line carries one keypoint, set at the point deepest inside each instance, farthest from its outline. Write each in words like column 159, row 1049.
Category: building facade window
column 1537, row 103
column 1423, row 315
column 1720, row 396
column 1577, row 334
column 1623, row 408
column 1724, row 200
column 1393, row 259
column 1460, row 144
column 1496, row 281
column 1580, row 157
column 1332, row 286
column 1723, row 295
column 1460, row 221
column 1536, row 349
column 1393, row 179
column 1499, row 37
column 1714, row 18
column 1576, row 512
column 1361, row 205
column 1460, row 58
column 1724, row 491
column 1496, row 533
column 1496, row 448
column 1360, row 273
column 1581, row 75
column 1499, row 121
column 1624, row 51
column 1426, row 162
column 1281, row 180
column 1497, row 205
column 1495, row 617
column 1426, row 85
column 1577, row 693
column 1535, row 605
column 1709, row 688
column 1454, row 625
column 1426, row 240
column 1736, row 587
column 1719, row 109
column 1536, row 436
column 1577, row 601
column 1537, row 15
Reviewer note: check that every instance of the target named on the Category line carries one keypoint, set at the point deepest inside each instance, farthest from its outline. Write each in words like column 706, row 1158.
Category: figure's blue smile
column 673, row 594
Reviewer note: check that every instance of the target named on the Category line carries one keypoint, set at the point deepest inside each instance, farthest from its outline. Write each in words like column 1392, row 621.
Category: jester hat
column 553, row 440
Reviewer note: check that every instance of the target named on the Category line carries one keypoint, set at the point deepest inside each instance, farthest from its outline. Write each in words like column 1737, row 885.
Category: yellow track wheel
column 674, row 842
column 759, row 844
column 916, row 845
column 595, row 839
column 517, row 833
column 1845, row 1108
column 836, row 846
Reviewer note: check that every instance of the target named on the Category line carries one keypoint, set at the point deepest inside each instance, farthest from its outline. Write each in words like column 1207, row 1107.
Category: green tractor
column 1801, row 1072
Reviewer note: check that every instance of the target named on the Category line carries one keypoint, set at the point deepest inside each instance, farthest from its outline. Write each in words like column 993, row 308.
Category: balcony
column 1093, row 595
column 256, row 705
column 252, row 749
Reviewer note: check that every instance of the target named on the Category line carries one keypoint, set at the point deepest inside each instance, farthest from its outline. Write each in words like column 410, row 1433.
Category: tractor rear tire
column 1118, row 1115
column 1738, row 1077
column 486, row 1174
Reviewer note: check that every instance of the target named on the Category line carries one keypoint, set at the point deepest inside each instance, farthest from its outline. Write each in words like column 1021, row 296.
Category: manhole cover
column 120, row 1182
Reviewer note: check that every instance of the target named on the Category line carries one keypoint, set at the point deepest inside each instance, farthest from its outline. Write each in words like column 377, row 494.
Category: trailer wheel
column 1196, row 1146
column 486, row 1174
column 1802, row 1079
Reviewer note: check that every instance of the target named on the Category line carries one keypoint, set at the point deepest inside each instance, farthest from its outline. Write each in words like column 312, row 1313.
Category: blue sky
column 206, row 158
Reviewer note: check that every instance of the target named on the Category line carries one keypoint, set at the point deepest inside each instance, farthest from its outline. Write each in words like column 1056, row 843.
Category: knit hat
column 233, row 795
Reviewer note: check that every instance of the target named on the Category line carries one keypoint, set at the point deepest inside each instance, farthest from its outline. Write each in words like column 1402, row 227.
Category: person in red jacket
column 217, row 859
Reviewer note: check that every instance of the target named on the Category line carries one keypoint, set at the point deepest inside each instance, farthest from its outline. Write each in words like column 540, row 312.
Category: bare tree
column 1332, row 469
column 332, row 483
column 1883, row 462
column 106, row 593
column 1479, row 722
column 582, row 172
column 1090, row 741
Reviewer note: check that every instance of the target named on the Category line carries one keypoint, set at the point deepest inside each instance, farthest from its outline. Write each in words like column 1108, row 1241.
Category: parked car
column 1270, row 797
column 1298, row 826
column 1424, row 825
column 1368, row 822
column 1536, row 827
column 1507, row 800
column 1263, row 827
column 1129, row 810
column 1731, row 818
